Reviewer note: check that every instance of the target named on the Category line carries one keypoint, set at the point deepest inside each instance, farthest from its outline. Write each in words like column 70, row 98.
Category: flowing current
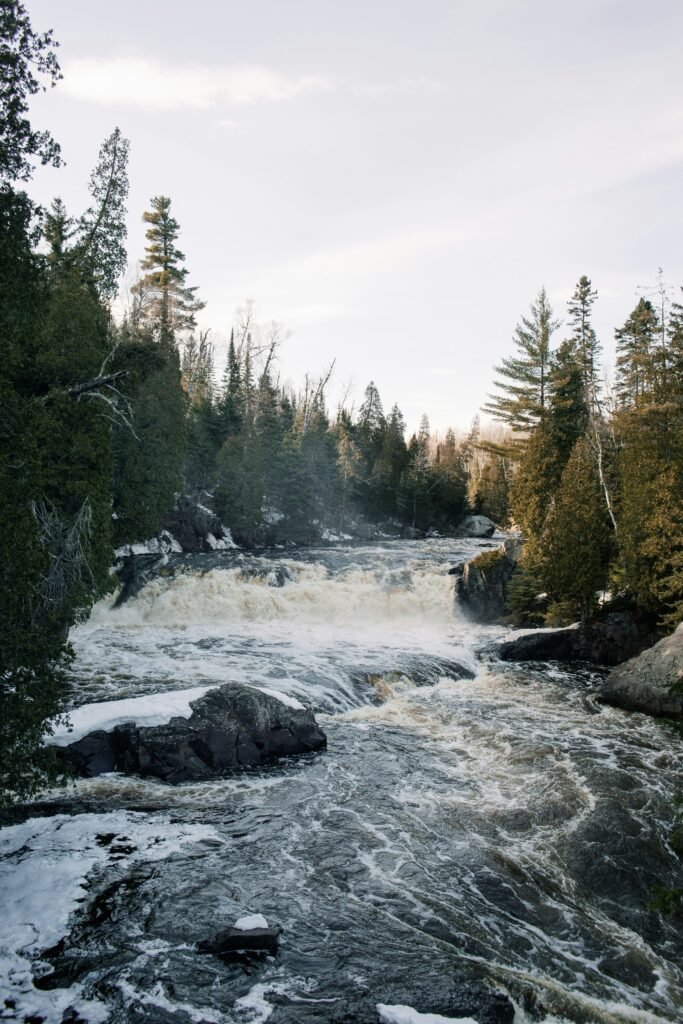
column 471, row 821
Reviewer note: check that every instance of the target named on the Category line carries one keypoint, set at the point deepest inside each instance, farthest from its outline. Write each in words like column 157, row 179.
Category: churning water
column 471, row 821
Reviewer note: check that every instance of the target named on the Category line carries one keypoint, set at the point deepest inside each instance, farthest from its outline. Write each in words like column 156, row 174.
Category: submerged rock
column 482, row 584
column 606, row 641
column 231, row 727
column 652, row 681
column 238, row 940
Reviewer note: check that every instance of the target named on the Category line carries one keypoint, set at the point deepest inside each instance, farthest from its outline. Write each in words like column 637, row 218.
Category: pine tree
column 166, row 302
column 524, row 384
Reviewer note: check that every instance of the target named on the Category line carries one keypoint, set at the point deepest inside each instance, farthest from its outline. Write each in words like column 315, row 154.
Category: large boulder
column 481, row 586
column 231, row 727
column 477, row 526
column 609, row 640
column 652, row 681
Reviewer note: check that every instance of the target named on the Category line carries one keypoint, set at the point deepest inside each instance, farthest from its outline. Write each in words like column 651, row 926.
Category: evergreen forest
column 111, row 414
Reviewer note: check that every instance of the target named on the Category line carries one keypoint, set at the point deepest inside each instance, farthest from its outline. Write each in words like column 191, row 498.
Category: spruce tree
column 636, row 370
column 29, row 64
column 523, row 387
column 577, row 541
column 583, row 335
column 101, row 250
column 165, row 301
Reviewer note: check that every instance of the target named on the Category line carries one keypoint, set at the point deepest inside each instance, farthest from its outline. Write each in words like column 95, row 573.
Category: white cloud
column 403, row 87
column 157, row 86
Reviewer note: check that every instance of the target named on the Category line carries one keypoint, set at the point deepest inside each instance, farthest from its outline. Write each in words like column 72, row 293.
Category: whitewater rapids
column 471, row 820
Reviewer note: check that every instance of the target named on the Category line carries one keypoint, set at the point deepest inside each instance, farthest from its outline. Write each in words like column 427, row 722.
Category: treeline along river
column 472, row 822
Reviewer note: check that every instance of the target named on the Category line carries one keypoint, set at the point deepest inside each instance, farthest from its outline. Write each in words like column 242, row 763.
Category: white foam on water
column 157, row 998
column 407, row 1015
column 355, row 596
column 45, row 865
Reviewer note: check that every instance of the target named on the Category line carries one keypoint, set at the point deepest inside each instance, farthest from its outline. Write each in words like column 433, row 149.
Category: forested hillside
column 108, row 419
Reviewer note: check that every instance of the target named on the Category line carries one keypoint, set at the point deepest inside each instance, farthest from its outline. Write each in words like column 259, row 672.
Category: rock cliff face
column 645, row 682
column 481, row 588
column 231, row 727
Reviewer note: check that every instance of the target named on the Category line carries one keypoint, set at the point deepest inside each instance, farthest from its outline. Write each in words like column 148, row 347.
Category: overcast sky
column 393, row 180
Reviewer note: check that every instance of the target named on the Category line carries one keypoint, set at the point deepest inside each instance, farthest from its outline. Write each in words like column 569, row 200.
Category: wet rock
column 279, row 576
column 237, row 940
column 231, row 727
column 134, row 572
column 652, row 681
column 477, row 526
column 482, row 585
column 606, row 641
column 194, row 525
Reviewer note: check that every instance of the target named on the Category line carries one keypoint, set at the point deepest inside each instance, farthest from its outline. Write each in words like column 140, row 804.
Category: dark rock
column 95, row 754
column 234, row 940
column 231, row 727
column 608, row 640
column 412, row 533
column 482, row 585
column 652, row 681
column 134, row 572
column 279, row 576
column 191, row 523
column 477, row 526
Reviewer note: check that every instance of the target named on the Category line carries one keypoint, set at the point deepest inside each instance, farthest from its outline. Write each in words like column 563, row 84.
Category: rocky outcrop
column 477, row 526
column 195, row 527
column 231, row 727
column 481, row 585
column 652, row 681
column 606, row 641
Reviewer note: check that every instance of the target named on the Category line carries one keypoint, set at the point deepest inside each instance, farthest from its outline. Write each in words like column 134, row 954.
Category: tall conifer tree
column 523, row 384
column 166, row 302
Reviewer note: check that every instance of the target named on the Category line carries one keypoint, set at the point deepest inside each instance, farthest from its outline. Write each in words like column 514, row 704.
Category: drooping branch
column 66, row 543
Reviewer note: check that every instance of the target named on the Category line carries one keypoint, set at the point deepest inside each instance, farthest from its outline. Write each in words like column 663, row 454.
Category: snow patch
column 161, row 545
column 152, row 709
column 334, row 537
column 45, row 864
column 284, row 698
column 245, row 924
column 223, row 543
column 406, row 1015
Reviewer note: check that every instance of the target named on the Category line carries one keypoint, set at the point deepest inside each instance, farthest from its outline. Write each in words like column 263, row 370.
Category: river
column 471, row 821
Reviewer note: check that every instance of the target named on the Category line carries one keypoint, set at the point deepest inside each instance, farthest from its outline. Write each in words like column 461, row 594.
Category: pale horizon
column 393, row 185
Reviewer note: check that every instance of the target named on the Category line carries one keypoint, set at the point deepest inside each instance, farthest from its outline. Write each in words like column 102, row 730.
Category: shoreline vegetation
column 111, row 424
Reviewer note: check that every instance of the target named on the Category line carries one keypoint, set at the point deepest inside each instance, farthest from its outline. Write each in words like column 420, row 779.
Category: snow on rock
column 284, row 698
column 406, row 1015
column 333, row 537
column 161, row 545
column 245, row 924
column 45, row 866
column 152, row 709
